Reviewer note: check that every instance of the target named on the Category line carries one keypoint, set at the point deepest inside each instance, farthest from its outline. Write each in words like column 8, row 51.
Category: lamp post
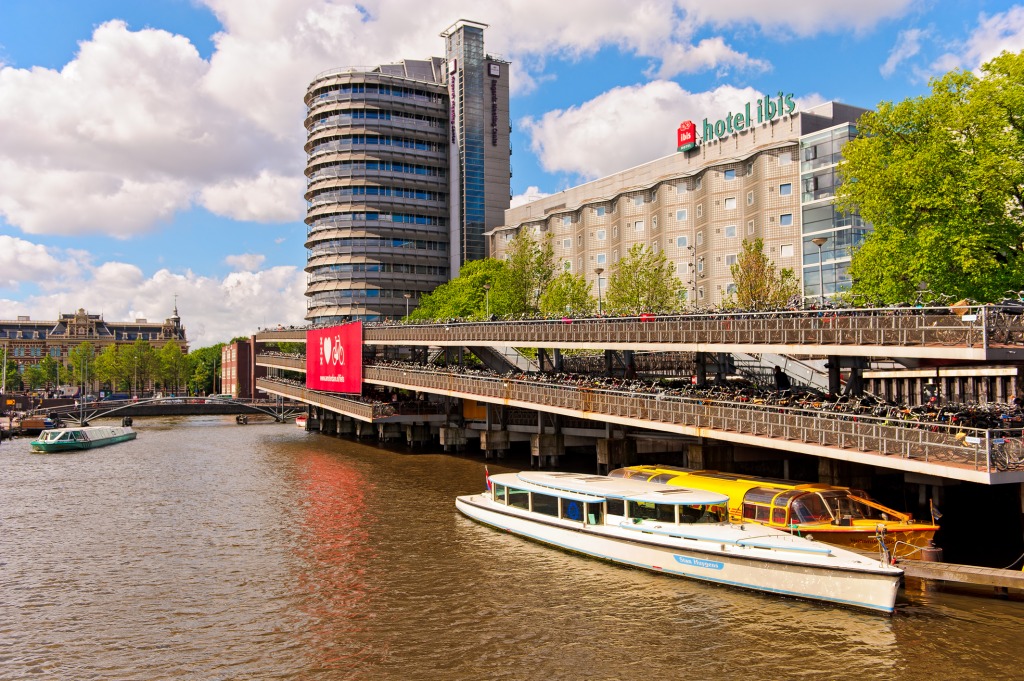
column 407, row 296
column 599, row 271
column 487, row 301
column 819, row 242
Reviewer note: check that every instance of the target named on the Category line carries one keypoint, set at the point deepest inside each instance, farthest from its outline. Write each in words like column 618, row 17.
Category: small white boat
column 678, row 531
column 88, row 437
column 300, row 422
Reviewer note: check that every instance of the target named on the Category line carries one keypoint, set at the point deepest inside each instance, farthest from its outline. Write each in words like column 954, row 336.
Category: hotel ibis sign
column 767, row 109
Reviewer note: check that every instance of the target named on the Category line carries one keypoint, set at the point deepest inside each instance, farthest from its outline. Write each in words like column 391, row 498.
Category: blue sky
column 153, row 149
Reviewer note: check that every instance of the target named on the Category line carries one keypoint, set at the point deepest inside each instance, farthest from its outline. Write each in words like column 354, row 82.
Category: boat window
column 500, row 494
column 758, row 512
column 842, row 505
column 572, row 510
column 664, row 477
column 648, row 510
column 701, row 513
column 616, row 507
column 779, row 516
column 810, row 508
column 545, row 504
column 595, row 514
column 519, row 498
column 760, row 495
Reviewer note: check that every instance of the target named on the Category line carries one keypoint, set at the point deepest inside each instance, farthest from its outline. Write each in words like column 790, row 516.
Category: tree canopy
column 941, row 179
column 642, row 282
column 568, row 294
column 462, row 297
column 528, row 269
column 759, row 285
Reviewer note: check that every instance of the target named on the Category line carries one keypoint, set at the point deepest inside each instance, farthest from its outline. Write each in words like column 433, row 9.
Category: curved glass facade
column 377, row 190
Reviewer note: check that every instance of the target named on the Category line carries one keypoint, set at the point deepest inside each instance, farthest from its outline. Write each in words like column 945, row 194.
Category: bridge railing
column 977, row 326
column 296, row 362
column 982, row 450
column 367, row 410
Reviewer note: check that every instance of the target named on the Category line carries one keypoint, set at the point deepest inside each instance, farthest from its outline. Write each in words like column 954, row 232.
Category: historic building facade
column 771, row 179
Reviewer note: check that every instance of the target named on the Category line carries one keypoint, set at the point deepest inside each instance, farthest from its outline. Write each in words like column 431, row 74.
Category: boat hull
column 736, row 566
column 56, row 447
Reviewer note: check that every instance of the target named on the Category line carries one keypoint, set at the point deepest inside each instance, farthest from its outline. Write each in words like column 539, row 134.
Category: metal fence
column 367, row 410
column 980, row 450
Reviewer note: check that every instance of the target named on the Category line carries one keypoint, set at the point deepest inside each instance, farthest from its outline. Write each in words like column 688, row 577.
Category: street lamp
column 819, row 242
column 487, row 301
column 407, row 296
column 599, row 271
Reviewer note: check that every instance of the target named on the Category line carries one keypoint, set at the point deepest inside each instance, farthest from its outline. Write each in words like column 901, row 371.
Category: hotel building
column 407, row 167
column 766, row 172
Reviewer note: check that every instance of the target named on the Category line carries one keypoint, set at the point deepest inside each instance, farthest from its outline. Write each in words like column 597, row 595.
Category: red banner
column 334, row 358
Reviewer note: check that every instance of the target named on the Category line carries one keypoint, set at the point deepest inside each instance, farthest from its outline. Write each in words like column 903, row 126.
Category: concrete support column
column 558, row 360
column 494, row 443
column 700, row 364
column 614, row 453
column 546, row 448
column 695, row 456
column 834, row 377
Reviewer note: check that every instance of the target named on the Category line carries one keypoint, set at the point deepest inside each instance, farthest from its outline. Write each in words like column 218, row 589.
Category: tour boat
column 837, row 515
column 300, row 421
column 89, row 437
column 678, row 531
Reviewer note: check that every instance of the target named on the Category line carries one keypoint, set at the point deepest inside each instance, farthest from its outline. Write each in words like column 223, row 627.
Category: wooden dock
column 963, row 574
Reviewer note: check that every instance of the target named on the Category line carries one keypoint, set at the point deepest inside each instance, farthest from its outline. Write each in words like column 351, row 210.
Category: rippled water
column 206, row 550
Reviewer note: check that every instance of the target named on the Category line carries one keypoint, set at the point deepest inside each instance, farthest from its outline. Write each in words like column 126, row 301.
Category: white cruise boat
column 677, row 531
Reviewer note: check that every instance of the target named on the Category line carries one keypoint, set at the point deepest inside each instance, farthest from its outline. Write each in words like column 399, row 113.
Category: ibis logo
column 764, row 110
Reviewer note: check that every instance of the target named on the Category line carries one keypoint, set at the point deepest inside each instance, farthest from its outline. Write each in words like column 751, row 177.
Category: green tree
column 109, row 368
column 569, row 294
column 12, row 378
column 140, row 364
column 642, row 282
column 462, row 297
column 82, row 365
column 172, row 367
column 529, row 268
column 759, row 285
column 33, row 377
column 51, row 370
column 205, row 375
column 941, row 178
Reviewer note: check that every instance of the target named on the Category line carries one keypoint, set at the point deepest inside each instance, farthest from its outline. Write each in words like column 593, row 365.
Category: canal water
column 207, row 550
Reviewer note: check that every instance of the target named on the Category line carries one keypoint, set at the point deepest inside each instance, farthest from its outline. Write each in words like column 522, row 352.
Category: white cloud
column 993, row 35
column 245, row 262
column 624, row 127
column 908, row 44
column 799, row 17
column 265, row 198
column 211, row 309
column 531, row 194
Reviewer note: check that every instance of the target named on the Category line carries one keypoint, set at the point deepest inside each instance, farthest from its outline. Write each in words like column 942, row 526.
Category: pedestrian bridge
column 171, row 406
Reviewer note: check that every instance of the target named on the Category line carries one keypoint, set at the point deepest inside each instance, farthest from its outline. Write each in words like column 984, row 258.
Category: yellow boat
column 837, row 515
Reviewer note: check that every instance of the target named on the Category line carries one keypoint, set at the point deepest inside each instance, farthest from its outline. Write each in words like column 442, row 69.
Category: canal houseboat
column 836, row 515
column 89, row 437
column 678, row 531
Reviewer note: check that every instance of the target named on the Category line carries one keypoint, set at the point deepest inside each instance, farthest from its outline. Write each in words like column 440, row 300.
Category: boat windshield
column 703, row 513
column 810, row 508
column 843, row 505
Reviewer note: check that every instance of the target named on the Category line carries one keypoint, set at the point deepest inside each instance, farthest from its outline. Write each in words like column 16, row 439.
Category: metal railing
column 979, row 450
column 366, row 410
column 979, row 326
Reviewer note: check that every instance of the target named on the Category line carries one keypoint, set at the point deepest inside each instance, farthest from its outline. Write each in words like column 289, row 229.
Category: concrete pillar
column 417, row 434
column 834, row 381
column 700, row 363
column 346, row 426
column 453, row 436
column 695, row 456
column 546, row 448
column 558, row 360
column 494, row 443
column 614, row 453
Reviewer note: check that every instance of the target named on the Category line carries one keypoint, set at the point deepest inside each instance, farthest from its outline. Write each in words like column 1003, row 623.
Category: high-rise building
column 407, row 167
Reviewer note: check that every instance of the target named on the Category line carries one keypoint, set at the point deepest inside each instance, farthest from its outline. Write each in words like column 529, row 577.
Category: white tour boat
column 678, row 531
column 87, row 437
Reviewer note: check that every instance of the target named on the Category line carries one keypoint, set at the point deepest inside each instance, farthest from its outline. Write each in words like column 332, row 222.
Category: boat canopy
column 620, row 488
column 512, row 480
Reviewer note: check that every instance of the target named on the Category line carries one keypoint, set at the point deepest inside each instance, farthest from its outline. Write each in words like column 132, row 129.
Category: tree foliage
column 205, row 369
column 642, row 282
column 568, row 294
column 529, row 268
column 759, row 285
column 941, row 178
column 462, row 297
column 82, row 364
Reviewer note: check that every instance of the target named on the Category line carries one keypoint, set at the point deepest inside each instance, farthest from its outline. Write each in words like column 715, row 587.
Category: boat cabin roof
column 512, row 480
column 617, row 488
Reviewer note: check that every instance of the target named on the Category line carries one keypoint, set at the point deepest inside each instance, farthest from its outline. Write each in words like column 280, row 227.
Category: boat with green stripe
column 87, row 437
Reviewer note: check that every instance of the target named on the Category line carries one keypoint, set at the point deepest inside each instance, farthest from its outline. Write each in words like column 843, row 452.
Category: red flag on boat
column 487, row 478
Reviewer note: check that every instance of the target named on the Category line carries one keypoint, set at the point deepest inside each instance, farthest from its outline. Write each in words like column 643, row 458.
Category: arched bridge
column 279, row 410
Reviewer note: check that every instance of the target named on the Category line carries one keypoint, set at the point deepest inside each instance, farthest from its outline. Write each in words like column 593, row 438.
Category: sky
column 151, row 151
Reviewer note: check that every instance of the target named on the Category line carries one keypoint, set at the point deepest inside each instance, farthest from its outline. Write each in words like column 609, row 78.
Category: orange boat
column 837, row 515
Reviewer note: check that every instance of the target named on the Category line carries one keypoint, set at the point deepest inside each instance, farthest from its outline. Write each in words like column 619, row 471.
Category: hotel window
column 599, row 211
column 681, row 187
column 730, row 203
column 730, row 231
column 786, row 250
column 566, row 220
column 700, row 265
column 731, row 289
column 601, row 234
column 700, row 210
column 639, row 225
column 730, row 259
column 681, row 215
column 786, row 219
column 638, row 200
column 566, row 243
column 785, row 189
column 601, row 258
column 654, row 222
column 750, row 168
column 785, row 158
column 615, row 255
column 750, row 227
column 750, row 198
column 682, row 242
column 700, row 238
column 579, row 240
column 579, row 264
column 615, row 232
column 729, row 175
column 700, row 293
